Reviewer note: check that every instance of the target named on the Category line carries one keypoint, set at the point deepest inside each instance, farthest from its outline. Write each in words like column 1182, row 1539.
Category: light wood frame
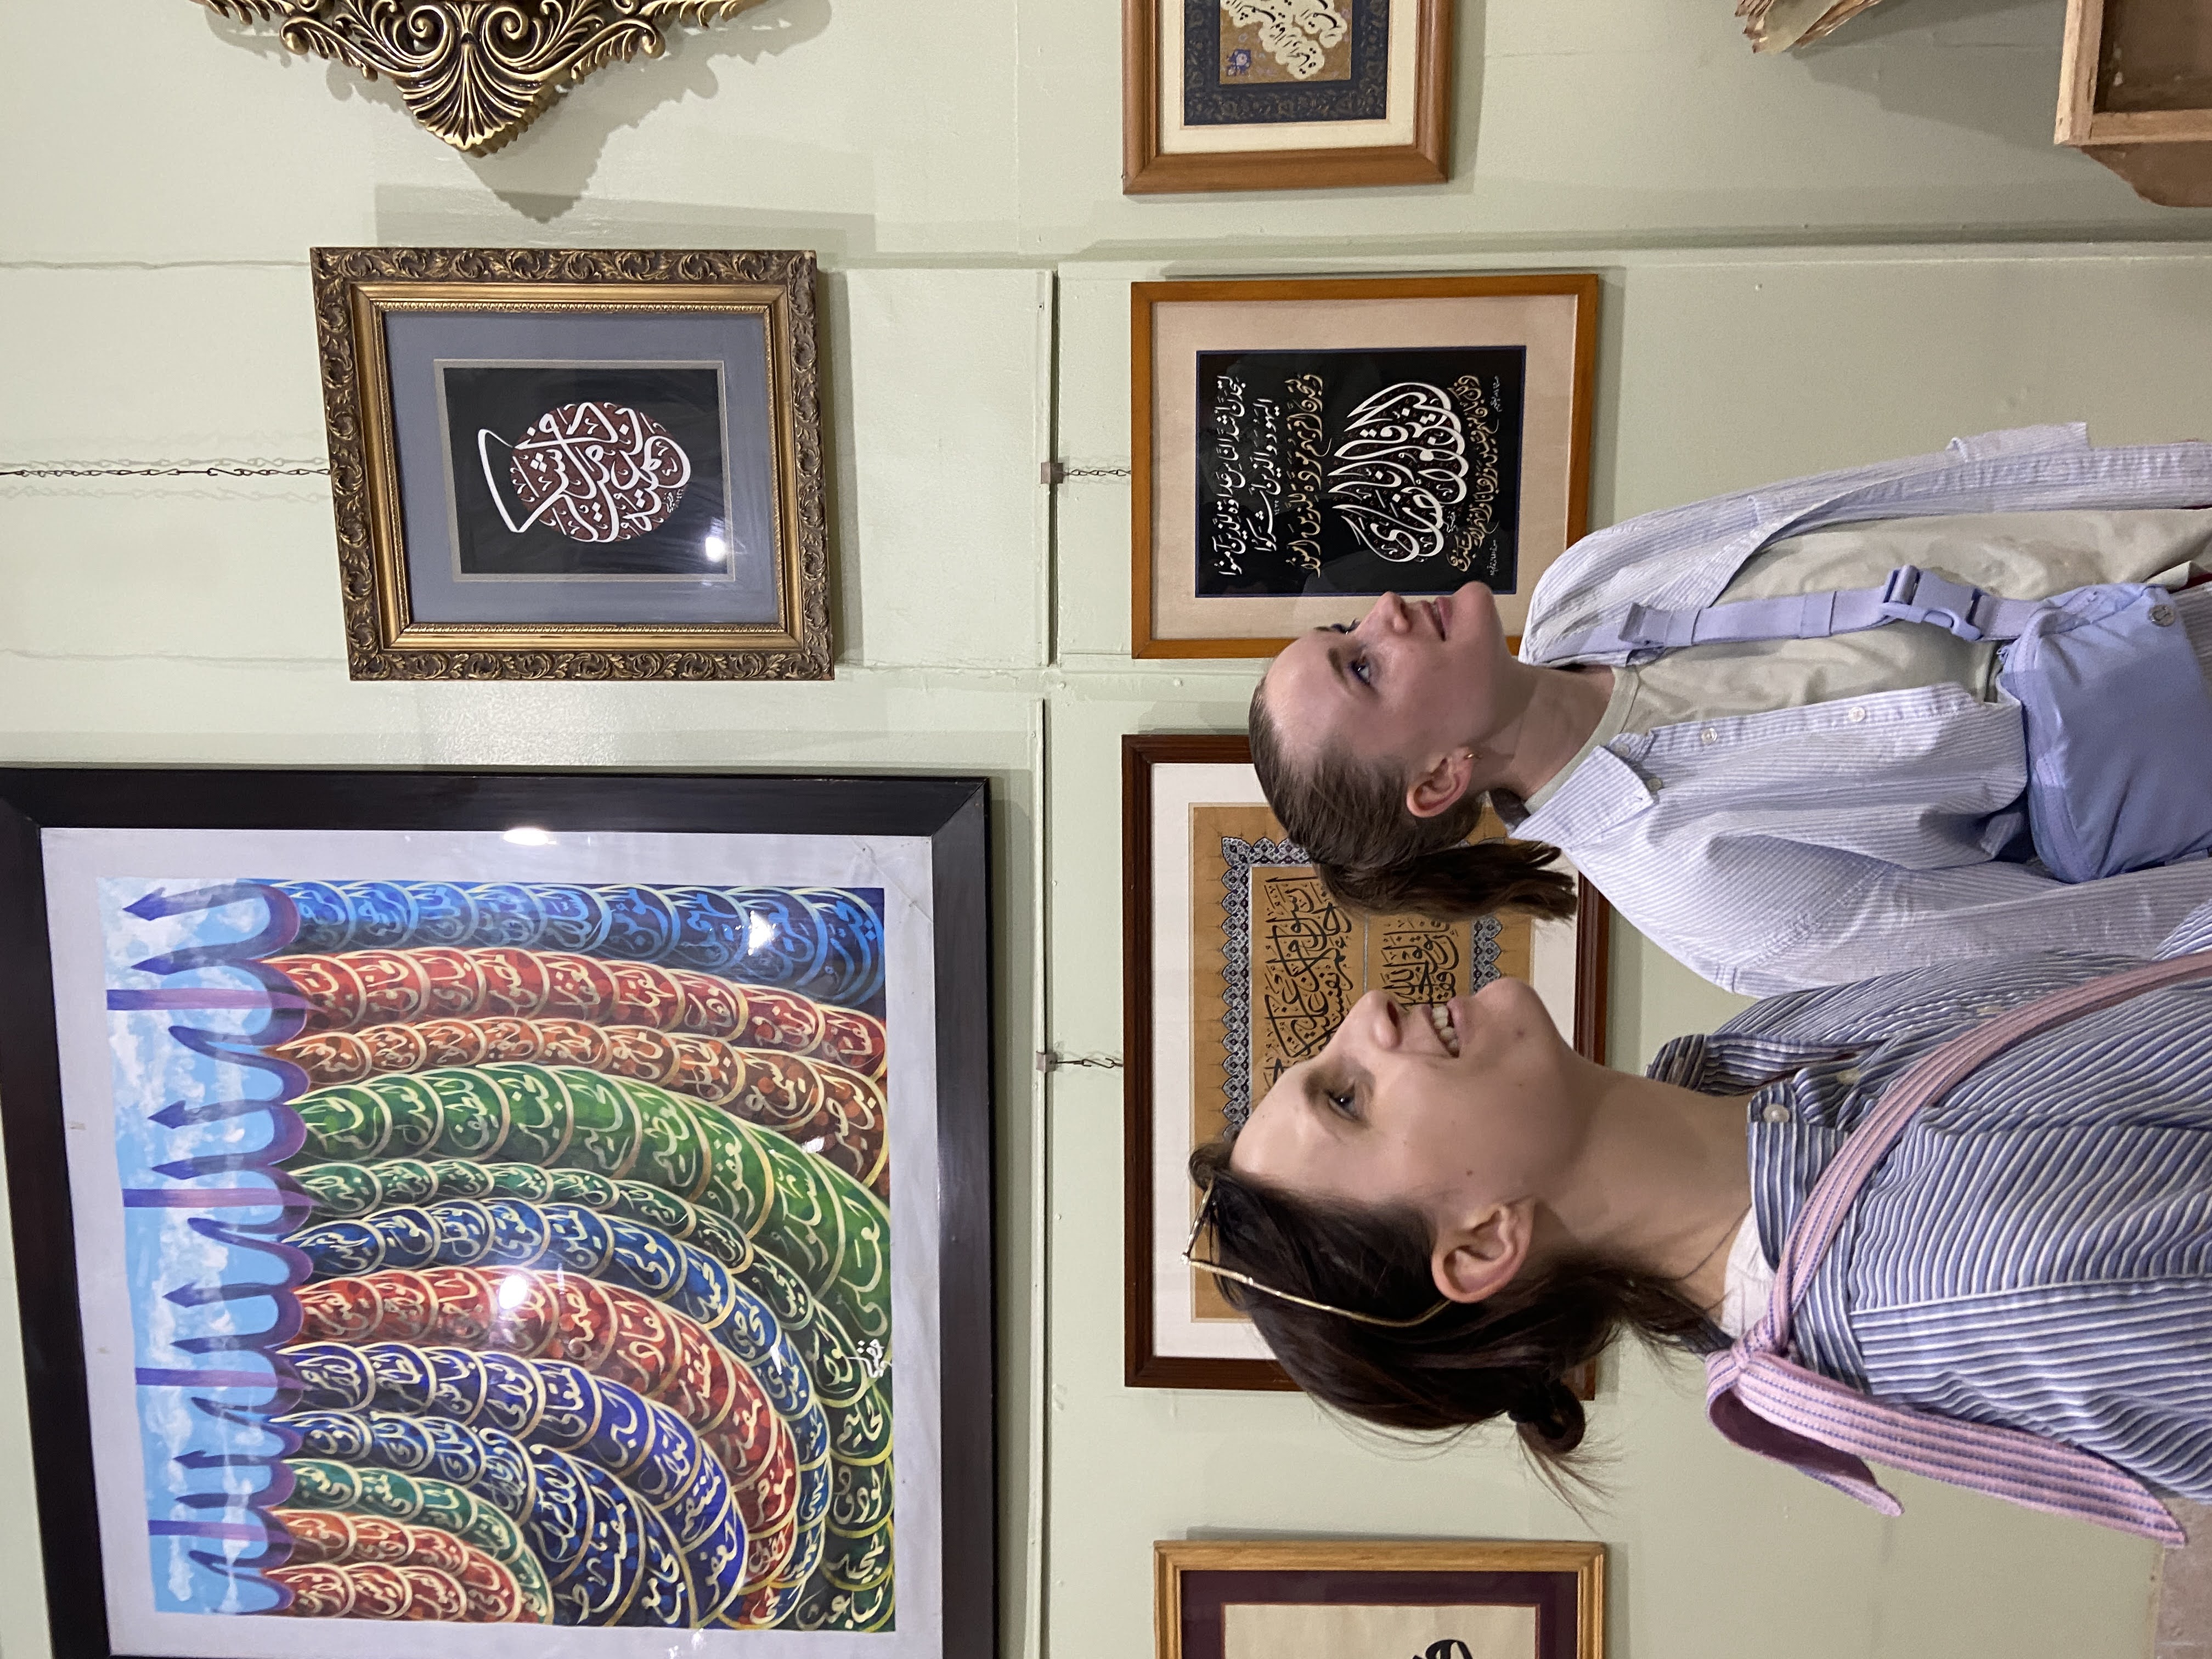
column 2165, row 156
column 1173, row 1558
column 1146, row 171
column 356, row 289
column 1142, row 1367
column 1581, row 286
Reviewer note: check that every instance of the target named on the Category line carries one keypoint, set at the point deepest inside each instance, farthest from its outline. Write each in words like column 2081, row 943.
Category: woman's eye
column 1362, row 670
column 1345, row 1101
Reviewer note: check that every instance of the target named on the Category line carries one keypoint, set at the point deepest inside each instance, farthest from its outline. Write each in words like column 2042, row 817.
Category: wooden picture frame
column 661, row 511
column 1267, row 419
column 1322, row 1598
column 2156, row 133
column 1408, row 144
column 1173, row 1034
column 242, row 943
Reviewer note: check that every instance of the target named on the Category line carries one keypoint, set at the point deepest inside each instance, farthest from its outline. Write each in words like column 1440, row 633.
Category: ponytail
column 1372, row 854
column 1506, row 1356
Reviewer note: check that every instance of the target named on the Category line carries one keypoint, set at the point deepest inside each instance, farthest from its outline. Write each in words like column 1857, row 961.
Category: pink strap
column 1766, row 1404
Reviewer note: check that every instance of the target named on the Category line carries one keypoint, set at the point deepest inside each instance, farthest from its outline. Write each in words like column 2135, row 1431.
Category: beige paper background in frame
column 1284, row 1630
column 1554, row 317
column 1396, row 126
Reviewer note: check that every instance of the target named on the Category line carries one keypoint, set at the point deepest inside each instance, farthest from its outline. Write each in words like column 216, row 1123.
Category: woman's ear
column 1440, row 788
column 1474, row 1260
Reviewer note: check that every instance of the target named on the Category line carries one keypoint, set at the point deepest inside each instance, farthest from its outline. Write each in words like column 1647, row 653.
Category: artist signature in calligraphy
column 594, row 472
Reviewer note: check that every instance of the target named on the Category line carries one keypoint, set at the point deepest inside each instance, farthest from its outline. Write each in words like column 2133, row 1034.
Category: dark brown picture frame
column 952, row 813
column 1149, row 562
column 357, row 289
column 1194, row 1579
column 1141, row 753
column 1146, row 171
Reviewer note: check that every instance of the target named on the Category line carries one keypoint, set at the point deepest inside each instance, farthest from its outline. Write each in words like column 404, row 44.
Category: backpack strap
column 1757, row 1397
column 1910, row 594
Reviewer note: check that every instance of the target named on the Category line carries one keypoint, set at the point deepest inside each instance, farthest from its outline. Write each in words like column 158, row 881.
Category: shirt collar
column 1729, row 1062
column 1610, row 724
column 1602, row 791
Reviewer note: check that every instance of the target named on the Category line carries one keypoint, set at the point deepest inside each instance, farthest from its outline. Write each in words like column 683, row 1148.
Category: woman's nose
column 1380, row 1011
column 1389, row 613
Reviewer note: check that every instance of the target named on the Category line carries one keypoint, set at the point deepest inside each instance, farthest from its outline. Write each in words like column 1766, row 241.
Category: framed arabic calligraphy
column 1236, row 964
column 1299, row 446
column 567, row 465
column 1284, row 95
column 1315, row 1598
column 467, row 1202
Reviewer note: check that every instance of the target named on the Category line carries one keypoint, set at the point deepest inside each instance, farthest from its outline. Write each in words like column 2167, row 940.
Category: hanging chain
column 1057, row 472
column 1050, row 1061
column 248, row 468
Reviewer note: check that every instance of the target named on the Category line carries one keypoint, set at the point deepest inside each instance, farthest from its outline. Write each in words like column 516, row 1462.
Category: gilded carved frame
column 477, row 72
column 355, row 288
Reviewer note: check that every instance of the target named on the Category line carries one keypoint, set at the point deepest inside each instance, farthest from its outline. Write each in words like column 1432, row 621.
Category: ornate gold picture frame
column 565, row 464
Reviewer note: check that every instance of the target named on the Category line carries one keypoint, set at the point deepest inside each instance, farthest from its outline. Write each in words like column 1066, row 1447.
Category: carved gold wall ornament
column 477, row 72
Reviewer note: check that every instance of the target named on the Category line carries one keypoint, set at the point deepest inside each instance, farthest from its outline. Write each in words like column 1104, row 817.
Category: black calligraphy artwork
column 584, row 469
column 1360, row 470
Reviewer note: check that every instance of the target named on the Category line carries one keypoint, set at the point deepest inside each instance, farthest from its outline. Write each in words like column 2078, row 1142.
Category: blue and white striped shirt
column 2035, row 1251
column 1822, row 844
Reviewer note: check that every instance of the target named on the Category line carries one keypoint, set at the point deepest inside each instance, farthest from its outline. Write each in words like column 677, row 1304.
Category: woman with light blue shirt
column 1958, row 1219
column 1781, row 799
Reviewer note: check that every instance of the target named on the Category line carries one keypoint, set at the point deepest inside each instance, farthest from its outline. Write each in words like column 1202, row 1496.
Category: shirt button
column 1988, row 1009
column 1777, row 1113
column 2162, row 615
column 1858, row 714
column 1709, row 736
column 1849, row 1076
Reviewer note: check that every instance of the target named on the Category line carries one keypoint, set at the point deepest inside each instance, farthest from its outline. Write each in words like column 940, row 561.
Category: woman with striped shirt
column 1775, row 813
column 1446, row 1210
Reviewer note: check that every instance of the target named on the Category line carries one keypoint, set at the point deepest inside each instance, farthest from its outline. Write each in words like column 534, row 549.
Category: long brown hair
column 1506, row 1356
column 1372, row 854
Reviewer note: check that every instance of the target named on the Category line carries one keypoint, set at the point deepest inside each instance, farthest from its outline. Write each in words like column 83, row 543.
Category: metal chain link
column 1050, row 473
column 1048, row 1059
column 212, row 469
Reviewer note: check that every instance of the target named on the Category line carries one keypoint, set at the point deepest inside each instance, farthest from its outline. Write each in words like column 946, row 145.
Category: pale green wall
column 1834, row 257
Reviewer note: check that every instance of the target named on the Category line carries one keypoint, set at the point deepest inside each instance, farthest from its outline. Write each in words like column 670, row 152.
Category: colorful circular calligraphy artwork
column 595, row 471
column 588, row 1312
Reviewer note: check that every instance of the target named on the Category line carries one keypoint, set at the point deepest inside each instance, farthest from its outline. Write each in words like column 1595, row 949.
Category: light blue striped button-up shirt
column 1830, row 842
column 2036, row 1250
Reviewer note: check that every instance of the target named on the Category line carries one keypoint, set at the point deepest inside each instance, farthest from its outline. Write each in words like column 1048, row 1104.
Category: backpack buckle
column 1912, row 594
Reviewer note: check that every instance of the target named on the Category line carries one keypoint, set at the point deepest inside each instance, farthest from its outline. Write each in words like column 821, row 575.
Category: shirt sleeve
column 1899, row 919
column 2194, row 934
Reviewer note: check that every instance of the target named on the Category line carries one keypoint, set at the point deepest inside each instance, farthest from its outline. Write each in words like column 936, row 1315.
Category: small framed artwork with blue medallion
column 1284, row 94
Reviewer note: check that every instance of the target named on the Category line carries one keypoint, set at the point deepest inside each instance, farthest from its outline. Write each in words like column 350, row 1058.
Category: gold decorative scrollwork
column 476, row 72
